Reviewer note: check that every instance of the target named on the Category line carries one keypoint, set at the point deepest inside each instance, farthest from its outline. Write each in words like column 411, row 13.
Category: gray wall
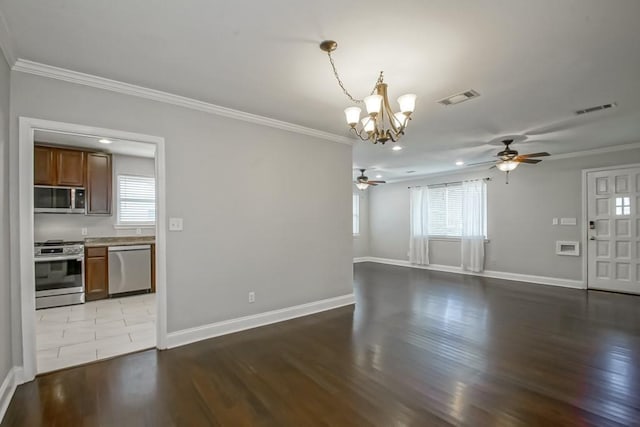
column 522, row 237
column 68, row 227
column 361, row 242
column 250, row 222
column 6, row 361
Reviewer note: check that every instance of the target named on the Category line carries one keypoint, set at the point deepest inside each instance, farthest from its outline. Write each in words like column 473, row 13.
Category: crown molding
column 5, row 42
column 38, row 69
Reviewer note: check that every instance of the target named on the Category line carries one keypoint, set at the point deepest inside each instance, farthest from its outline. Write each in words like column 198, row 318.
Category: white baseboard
column 187, row 336
column 8, row 388
column 517, row 277
column 360, row 259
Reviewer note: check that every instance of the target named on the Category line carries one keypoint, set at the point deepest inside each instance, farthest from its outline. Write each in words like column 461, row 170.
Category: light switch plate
column 568, row 221
column 84, row 231
column 175, row 224
column 555, row 221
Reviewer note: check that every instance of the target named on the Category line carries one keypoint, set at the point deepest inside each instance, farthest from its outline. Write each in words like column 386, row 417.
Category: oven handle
column 59, row 258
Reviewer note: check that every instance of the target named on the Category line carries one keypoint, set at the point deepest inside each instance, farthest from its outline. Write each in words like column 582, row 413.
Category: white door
column 614, row 232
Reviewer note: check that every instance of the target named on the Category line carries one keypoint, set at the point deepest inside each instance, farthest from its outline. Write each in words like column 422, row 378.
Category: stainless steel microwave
column 59, row 200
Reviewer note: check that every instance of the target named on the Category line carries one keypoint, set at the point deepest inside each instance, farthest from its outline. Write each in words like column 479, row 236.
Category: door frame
column 585, row 214
column 22, row 240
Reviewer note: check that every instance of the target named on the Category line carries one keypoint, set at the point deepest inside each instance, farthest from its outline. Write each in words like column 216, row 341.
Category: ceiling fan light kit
column 381, row 123
column 362, row 182
column 509, row 159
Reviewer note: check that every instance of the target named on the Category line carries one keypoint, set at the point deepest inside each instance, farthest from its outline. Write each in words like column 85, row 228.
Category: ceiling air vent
column 459, row 97
column 596, row 108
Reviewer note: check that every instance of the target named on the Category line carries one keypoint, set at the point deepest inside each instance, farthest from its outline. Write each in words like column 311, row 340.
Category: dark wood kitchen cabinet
column 69, row 167
column 99, row 192
column 44, row 166
column 58, row 166
column 96, row 277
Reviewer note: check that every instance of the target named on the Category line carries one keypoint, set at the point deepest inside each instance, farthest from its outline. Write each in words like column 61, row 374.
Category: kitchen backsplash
column 69, row 227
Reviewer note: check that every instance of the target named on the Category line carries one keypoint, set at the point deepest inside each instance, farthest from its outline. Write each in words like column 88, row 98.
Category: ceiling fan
column 509, row 159
column 362, row 182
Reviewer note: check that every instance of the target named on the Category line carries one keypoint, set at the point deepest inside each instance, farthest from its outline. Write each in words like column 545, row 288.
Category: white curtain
column 473, row 224
column 419, row 220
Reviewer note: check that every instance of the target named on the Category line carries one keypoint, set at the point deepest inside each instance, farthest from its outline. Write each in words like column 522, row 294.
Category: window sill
column 132, row 226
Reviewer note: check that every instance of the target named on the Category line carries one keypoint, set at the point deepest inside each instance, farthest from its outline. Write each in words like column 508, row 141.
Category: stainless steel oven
column 59, row 273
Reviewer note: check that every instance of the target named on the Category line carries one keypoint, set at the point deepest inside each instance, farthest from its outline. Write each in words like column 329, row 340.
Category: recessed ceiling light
column 459, row 163
column 396, row 148
column 378, row 176
column 105, row 141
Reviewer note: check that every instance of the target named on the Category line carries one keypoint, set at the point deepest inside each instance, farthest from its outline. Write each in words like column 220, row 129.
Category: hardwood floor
column 421, row 348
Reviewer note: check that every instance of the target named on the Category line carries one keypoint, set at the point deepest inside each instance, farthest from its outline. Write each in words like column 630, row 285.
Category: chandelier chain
column 346, row 92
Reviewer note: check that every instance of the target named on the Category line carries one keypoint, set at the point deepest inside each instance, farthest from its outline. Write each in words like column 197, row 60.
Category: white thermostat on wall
column 175, row 224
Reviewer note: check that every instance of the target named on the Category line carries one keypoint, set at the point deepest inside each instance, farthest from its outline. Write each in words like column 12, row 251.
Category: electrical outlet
column 138, row 230
column 84, row 231
column 252, row 297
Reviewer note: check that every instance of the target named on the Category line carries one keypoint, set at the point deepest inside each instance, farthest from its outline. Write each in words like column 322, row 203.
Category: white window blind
column 356, row 214
column 136, row 199
column 445, row 210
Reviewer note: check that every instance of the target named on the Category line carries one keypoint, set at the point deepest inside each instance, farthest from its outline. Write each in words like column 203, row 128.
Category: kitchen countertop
column 92, row 242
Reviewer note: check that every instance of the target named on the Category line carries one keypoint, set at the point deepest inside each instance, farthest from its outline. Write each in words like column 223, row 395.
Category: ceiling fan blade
column 372, row 183
column 530, row 161
column 481, row 163
column 377, row 182
column 541, row 154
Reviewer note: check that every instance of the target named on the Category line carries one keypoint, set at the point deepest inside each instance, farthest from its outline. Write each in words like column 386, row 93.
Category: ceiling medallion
column 380, row 124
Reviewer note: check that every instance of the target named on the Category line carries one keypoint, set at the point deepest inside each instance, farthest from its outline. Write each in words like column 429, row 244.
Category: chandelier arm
column 360, row 134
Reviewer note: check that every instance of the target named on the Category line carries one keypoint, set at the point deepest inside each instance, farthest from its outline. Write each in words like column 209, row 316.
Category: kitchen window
column 136, row 200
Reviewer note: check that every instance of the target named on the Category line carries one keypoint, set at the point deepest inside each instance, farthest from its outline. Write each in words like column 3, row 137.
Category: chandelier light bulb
column 353, row 115
column 400, row 120
column 369, row 124
column 507, row 165
column 373, row 104
column 362, row 185
column 407, row 103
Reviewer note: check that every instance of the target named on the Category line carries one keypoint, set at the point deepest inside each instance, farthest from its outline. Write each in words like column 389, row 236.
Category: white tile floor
column 68, row 336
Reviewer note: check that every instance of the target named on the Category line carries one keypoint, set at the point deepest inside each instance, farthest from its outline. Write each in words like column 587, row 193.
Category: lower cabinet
column 96, row 277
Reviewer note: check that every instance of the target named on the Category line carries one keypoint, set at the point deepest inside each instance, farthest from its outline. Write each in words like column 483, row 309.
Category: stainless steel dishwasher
column 129, row 269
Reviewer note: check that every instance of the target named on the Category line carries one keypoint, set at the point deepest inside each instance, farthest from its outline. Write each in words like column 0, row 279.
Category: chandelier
column 380, row 124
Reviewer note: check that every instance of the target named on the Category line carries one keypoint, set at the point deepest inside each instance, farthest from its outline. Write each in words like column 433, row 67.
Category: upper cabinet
column 58, row 166
column 44, row 166
column 70, row 168
column 64, row 167
column 99, row 183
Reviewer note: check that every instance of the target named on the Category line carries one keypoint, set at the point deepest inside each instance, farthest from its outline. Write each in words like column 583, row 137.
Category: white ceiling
column 117, row 146
column 533, row 62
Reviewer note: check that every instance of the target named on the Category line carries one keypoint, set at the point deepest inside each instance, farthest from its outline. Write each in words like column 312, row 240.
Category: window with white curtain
column 445, row 210
column 356, row 214
column 136, row 200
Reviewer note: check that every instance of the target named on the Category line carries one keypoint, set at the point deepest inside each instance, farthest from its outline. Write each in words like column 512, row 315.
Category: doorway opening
column 92, row 244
